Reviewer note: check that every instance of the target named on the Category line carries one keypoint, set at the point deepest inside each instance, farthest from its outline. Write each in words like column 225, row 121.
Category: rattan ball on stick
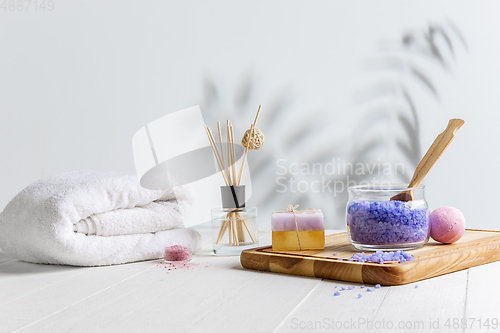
column 253, row 139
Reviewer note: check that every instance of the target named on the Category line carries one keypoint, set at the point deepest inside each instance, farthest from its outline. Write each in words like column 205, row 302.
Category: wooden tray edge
column 389, row 274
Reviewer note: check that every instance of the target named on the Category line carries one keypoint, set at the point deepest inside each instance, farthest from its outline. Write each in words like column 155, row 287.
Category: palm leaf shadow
column 405, row 125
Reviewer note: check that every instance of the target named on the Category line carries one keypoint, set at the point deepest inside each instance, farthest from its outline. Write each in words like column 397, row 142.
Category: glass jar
column 374, row 222
column 234, row 230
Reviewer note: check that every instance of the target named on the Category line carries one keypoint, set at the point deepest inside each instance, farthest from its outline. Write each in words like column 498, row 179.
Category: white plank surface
column 435, row 300
column 483, row 289
column 215, row 294
column 19, row 279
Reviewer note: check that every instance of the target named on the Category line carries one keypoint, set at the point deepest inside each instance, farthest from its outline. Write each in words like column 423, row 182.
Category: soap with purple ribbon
column 295, row 230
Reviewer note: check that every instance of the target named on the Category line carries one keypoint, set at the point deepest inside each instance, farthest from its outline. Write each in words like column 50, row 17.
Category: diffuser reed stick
column 229, row 154
column 220, row 145
column 216, row 153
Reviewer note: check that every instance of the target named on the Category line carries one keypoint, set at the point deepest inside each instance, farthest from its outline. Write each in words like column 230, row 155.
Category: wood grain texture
column 477, row 247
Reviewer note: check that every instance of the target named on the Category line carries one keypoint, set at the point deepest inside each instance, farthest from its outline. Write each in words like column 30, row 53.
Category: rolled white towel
column 153, row 217
column 88, row 218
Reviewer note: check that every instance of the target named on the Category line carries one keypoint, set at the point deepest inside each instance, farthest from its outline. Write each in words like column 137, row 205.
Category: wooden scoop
column 437, row 149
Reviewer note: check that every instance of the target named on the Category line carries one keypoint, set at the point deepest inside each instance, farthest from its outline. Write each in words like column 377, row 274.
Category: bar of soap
column 310, row 229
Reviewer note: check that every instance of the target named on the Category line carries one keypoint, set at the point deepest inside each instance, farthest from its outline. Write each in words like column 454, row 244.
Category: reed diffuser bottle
column 234, row 227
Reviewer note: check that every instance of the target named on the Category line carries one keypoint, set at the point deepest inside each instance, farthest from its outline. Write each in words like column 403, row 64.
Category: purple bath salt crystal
column 339, row 259
column 369, row 289
column 380, row 257
column 336, row 294
column 386, row 222
column 334, row 253
column 362, row 286
column 359, row 295
column 416, row 286
column 342, row 289
column 350, row 288
column 377, row 286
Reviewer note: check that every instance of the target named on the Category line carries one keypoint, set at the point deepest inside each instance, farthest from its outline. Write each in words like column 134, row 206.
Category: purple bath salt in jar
column 374, row 222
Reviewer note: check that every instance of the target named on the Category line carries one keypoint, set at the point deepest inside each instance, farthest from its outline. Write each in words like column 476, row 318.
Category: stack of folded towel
column 87, row 218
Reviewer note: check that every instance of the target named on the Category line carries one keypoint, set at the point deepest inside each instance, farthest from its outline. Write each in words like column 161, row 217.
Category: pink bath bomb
column 447, row 224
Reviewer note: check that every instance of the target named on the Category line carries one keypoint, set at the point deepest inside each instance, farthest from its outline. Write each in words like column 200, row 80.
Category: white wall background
column 77, row 82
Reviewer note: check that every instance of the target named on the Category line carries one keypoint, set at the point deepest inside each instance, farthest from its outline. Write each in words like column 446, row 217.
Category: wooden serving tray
column 476, row 247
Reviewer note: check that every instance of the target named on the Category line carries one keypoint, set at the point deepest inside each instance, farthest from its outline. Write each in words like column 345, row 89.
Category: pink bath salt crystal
column 447, row 224
column 177, row 253
column 310, row 220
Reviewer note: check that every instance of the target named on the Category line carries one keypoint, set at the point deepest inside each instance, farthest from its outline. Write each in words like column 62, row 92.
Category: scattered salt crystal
column 369, row 289
column 342, row 289
column 362, row 286
column 380, row 257
column 416, row 286
column 359, row 295
column 351, row 287
column 340, row 259
column 336, row 294
column 377, row 286
column 334, row 253
column 179, row 265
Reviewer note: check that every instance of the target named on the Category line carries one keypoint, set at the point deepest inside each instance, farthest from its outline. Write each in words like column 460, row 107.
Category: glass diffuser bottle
column 234, row 226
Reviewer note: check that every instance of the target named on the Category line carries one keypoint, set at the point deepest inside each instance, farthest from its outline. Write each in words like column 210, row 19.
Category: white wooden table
column 215, row 294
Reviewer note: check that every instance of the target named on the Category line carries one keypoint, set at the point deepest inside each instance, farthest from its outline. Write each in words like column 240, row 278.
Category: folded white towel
column 87, row 218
